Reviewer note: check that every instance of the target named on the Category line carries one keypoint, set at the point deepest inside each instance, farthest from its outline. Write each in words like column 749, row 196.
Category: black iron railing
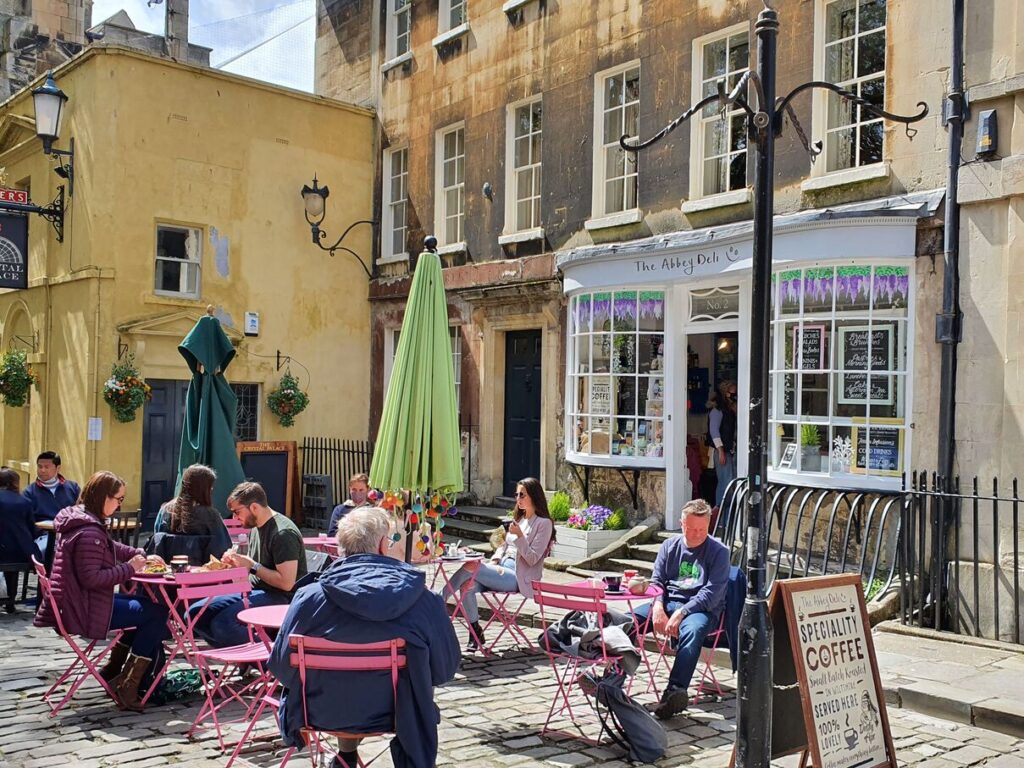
column 338, row 458
column 961, row 558
column 819, row 531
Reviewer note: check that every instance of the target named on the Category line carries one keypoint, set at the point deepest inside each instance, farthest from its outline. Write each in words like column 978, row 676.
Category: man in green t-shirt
column 276, row 561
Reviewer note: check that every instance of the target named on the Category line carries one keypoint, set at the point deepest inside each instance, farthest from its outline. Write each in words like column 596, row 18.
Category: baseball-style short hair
column 249, row 492
column 49, row 456
column 359, row 477
column 697, row 508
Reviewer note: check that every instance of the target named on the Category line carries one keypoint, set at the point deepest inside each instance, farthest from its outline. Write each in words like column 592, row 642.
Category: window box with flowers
column 287, row 401
column 16, row 378
column 126, row 391
column 587, row 532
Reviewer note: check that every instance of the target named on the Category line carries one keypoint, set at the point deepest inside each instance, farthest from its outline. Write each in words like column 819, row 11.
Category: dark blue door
column 522, row 407
column 162, row 420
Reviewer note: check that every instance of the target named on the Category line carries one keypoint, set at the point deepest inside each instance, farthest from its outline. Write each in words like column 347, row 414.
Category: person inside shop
column 516, row 564
column 368, row 597
column 87, row 565
column 189, row 524
column 722, row 432
column 276, row 561
column 17, row 532
column 358, row 491
column 693, row 570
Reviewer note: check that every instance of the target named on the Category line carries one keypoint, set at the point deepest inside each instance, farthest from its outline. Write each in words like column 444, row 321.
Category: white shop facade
column 655, row 325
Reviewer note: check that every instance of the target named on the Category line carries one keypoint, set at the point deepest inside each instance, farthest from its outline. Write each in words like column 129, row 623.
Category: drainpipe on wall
column 949, row 323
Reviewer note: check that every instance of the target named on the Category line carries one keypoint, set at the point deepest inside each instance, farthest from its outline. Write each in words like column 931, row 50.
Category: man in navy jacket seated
column 693, row 570
column 50, row 492
column 363, row 598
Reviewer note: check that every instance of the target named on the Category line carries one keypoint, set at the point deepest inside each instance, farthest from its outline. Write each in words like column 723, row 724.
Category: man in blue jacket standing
column 363, row 598
column 693, row 571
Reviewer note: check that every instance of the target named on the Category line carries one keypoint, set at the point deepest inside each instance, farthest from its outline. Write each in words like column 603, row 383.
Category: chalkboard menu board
column 272, row 464
column 864, row 349
column 881, row 451
column 813, row 340
column 824, row 666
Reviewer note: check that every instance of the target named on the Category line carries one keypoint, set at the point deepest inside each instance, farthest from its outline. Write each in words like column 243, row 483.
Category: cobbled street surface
column 492, row 716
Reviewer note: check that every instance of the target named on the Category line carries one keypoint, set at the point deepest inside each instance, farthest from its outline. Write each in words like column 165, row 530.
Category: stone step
column 456, row 527
column 480, row 514
column 665, row 535
column 647, row 552
column 504, row 502
column 618, row 564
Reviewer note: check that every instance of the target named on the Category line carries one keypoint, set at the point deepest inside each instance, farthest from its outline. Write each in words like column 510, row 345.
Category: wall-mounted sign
column 13, row 250
column 861, row 350
column 13, row 196
column 824, row 666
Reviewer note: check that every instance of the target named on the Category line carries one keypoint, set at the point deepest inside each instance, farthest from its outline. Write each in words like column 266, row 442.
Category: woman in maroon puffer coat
column 87, row 565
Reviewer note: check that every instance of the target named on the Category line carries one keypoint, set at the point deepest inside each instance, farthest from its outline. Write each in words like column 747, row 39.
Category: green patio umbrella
column 418, row 446
column 208, row 432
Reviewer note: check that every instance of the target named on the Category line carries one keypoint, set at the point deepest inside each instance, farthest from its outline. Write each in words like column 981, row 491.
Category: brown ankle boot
column 115, row 661
column 126, row 685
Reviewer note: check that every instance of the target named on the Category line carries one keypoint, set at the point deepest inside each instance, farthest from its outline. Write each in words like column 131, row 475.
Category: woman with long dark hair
column 191, row 512
column 517, row 563
column 87, row 565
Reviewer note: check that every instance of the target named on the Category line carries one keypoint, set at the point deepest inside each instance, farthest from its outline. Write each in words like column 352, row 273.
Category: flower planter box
column 574, row 545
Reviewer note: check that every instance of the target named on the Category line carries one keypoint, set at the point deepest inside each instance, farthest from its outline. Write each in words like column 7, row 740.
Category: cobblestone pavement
column 492, row 714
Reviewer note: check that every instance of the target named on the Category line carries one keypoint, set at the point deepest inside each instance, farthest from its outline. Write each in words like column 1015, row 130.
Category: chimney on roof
column 176, row 29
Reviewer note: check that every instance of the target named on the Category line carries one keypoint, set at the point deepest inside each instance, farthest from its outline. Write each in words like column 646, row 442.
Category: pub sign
column 13, row 250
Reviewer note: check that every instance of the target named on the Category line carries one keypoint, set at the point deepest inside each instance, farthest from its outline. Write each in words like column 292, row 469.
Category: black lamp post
column 764, row 124
column 314, row 201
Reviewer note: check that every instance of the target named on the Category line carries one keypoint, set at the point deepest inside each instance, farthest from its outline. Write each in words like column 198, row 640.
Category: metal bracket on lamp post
column 764, row 124
column 319, row 234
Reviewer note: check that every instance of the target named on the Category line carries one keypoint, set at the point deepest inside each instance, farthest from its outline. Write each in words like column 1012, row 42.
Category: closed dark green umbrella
column 208, row 433
column 418, row 446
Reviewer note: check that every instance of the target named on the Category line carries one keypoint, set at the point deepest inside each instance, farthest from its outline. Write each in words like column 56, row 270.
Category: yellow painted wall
column 156, row 141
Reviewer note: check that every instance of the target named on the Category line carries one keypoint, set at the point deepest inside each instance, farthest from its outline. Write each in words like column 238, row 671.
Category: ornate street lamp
column 48, row 102
column 764, row 124
column 314, row 201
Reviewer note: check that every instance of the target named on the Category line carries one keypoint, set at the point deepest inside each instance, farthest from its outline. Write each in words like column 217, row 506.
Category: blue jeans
column 489, row 578
column 692, row 631
column 219, row 624
column 149, row 620
column 725, row 473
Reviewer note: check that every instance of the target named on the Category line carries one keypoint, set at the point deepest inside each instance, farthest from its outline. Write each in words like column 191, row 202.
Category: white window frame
column 699, row 121
column 599, row 202
column 819, row 106
column 393, row 50
column 901, row 370
column 387, row 253
column 512, row 200
column 445, row 9
column 391, row 347
column 196, row 262
column 441, row 213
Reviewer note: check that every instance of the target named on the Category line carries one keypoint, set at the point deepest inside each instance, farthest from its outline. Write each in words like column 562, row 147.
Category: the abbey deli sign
column 705, row 262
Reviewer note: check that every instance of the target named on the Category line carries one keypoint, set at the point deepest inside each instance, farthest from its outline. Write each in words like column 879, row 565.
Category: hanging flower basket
column 126, row 391
column 16, row 378
column 287, row 401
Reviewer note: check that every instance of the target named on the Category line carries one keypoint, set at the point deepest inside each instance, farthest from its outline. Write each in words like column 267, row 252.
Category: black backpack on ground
column 627, row 723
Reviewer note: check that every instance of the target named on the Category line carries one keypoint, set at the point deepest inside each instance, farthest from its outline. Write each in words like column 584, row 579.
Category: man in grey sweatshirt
column 693, row 571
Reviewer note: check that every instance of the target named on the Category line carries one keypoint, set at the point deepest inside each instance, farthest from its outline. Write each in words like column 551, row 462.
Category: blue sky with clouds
column 270, row 40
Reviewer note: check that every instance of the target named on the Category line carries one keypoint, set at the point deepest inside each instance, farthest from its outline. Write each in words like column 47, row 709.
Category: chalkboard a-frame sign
column 825, row 669
column 271, row 463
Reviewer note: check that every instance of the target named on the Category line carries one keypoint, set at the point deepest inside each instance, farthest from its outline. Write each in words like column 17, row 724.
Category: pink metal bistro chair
column 708, row 685
column 87, row 660
column 508, row 617
column 569, row 668
column 311, row 655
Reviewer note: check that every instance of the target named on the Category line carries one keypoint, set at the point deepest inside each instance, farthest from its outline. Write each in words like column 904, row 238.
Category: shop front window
column 616, row 375
column 839, row 377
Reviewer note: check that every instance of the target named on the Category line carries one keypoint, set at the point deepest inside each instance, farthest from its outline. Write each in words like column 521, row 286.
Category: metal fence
column 338, row 458
column 961, row 558
column 818, row 531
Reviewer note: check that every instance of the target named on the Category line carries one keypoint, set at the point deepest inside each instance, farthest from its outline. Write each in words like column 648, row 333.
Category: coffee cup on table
column 629, row 575
column 612, row 582
column 451, row 550
column 179, row 563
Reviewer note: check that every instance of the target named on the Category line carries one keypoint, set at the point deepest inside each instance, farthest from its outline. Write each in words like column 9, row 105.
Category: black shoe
column 346, row 760
column 673, row 701
column 476, row 637
column 9, row 606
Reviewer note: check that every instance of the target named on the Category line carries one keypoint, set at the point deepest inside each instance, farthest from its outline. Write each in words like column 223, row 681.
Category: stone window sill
column 396, row 62
column 451, row 35
column 614, row 220
column 171, row 300
column 448, row 250
column 511, row 6
column 842, row 178
column 723, row 200
column 537, row 233
column 397, row 258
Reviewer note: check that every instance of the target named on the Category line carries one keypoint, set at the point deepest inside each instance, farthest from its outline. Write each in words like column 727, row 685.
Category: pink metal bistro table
column 441, row 567
column 322, row 544
column 264, row 617
column 625, row 596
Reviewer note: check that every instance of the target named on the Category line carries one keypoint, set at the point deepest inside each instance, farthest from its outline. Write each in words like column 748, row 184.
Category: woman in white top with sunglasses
column 516, row 564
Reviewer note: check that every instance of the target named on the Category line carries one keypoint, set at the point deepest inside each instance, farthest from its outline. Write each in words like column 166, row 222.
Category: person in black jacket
column 17, row 531
column 192, row 513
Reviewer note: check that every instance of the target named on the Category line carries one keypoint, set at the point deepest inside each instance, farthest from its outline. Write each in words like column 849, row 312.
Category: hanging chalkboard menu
column 813, row 339
column 824, row 666
column 879, row 449
column 864, row 349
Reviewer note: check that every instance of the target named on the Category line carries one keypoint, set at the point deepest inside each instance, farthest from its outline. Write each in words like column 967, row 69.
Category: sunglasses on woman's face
column 521, row 495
